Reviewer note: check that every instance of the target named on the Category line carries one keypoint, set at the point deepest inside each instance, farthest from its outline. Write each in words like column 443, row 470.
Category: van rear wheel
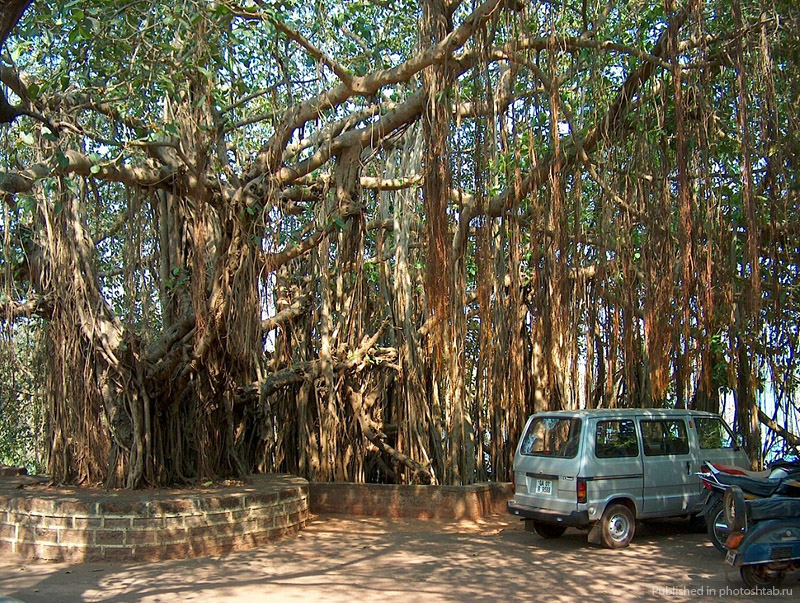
column 617, row 526
column 548, row 530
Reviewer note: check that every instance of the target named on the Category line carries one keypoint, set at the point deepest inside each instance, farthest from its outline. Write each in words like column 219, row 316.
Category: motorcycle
column 781, row 479
column 764, row 538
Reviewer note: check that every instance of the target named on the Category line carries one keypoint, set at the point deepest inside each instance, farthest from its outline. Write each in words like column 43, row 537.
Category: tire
column 762, row 575
column 548, row 530
column 717, row 528
column 617, row 526
column 697, row 524
column 735, row 508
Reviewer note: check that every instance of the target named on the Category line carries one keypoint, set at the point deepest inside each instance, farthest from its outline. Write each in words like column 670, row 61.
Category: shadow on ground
column 342, row 558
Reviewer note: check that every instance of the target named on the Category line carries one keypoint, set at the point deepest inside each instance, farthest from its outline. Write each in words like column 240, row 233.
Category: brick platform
column 76, row 524
column 81, row 524
column 420, row 502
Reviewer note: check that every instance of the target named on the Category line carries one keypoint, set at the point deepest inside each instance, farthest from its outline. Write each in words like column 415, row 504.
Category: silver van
column 604, row 469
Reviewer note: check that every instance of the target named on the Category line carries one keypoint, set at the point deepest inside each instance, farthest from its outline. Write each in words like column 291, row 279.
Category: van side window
column 664, row 437
column 713, row 433
column 615, row 439
column 552, row 436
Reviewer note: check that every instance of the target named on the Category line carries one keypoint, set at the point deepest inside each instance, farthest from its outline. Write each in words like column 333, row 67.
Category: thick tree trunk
column 10, row 13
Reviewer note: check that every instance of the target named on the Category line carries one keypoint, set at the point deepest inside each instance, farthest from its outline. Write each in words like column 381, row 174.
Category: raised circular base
column 80, row 524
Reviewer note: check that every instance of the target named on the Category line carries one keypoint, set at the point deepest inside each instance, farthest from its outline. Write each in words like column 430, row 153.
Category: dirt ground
column 346, row 558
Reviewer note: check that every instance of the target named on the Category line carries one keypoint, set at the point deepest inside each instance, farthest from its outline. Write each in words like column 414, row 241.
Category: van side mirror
column 739, row 439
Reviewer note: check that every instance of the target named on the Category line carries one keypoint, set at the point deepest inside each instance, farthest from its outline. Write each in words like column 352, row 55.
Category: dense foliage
column 363, row 240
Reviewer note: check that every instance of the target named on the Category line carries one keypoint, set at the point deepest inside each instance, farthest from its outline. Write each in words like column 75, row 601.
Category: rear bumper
column 577, row 519
column 770, row 541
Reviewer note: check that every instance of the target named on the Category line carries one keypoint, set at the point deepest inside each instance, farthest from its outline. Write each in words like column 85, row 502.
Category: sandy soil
column 345, row 558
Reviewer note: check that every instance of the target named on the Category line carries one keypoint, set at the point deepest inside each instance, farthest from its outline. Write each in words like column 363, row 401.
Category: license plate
column 544, row 486
column 730, row 558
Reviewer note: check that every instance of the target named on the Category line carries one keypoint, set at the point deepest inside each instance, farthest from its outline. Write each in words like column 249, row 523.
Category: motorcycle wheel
column 717, row 528
column 735, row 508
column 763, row 574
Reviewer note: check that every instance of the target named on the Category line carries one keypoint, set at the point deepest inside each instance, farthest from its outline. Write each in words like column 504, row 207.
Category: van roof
column 646, row 412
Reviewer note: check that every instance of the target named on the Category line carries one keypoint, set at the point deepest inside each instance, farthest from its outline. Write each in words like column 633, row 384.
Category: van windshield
column 552, row 436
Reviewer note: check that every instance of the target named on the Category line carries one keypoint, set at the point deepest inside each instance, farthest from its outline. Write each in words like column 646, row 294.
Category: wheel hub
column 618, row 527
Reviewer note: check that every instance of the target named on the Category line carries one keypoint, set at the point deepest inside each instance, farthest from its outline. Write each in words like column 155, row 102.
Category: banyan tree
column 364, row 239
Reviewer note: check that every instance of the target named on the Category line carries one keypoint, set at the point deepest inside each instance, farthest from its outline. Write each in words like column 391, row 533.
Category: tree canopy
column 364, row 240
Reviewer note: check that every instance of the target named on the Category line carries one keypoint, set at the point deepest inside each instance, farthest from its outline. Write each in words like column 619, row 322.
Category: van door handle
column 688, row 468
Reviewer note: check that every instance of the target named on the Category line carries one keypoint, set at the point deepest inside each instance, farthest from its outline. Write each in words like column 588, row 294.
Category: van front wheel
column 617, row 526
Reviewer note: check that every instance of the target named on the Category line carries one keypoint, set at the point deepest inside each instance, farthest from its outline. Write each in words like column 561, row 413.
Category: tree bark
column 10, row 13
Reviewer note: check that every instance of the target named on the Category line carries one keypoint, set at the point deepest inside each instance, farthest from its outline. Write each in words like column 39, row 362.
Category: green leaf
column 63, row 160
column 27, row 203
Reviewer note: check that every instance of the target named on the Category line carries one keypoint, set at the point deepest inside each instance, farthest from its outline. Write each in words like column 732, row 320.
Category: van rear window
column 552, row 436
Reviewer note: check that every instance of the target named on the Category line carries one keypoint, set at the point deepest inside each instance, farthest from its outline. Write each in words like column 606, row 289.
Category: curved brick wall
column 447, row 503
column 38, row 522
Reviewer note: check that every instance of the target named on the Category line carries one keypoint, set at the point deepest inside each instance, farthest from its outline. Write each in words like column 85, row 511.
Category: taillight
column 581, row 490
column 734, row 540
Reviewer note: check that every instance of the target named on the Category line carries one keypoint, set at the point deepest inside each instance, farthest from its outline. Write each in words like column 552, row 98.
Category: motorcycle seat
column 761, row 487
column 776, row 507
column 734, row 470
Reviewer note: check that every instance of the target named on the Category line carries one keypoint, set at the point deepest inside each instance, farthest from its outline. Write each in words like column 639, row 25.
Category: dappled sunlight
column 342, row 558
